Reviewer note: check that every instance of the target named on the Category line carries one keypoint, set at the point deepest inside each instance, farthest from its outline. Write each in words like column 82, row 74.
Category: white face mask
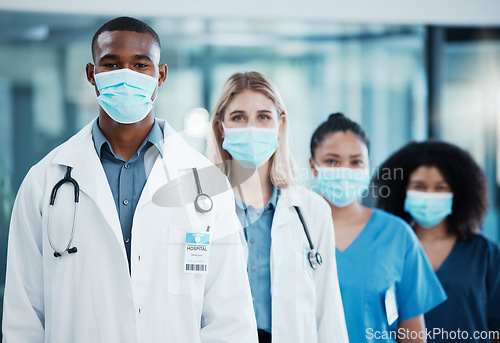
column 125, row 95
column 250, row 146
column 428, row 209
column 342, row 186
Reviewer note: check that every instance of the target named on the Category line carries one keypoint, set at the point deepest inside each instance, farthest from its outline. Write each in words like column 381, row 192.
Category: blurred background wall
column 405, row 70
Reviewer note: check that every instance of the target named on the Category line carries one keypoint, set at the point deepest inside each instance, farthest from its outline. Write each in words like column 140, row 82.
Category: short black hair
column 125, row 24
column 461, row 172
column 337, row 122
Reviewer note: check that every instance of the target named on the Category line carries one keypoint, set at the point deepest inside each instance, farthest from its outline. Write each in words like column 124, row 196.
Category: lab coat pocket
column 180, row 282
column 306, row 291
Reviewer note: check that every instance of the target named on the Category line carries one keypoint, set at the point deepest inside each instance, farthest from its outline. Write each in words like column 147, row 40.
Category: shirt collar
column 271, row 204
column 155, row 137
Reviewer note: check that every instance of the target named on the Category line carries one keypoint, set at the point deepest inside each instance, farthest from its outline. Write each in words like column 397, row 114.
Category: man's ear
column 89, row 69
column 162, row 69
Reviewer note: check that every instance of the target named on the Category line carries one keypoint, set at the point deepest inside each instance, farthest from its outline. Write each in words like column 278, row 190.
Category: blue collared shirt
column 127, row 178
column 257, row 227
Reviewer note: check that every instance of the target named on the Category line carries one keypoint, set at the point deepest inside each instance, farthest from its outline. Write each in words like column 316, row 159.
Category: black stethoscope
column 65, row 179
column 314, row 257
column 202, row 203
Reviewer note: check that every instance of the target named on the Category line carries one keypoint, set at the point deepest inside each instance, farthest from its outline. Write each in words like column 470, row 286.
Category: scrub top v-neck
column 386, row 256
column 470, row 276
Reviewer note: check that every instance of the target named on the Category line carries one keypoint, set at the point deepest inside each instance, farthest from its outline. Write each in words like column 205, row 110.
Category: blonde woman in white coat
column 296, row 298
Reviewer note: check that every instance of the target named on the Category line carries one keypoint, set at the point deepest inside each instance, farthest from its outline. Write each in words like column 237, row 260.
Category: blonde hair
column 282, row 164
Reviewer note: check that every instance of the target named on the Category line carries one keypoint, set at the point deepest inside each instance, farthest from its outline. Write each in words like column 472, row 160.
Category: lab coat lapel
column 167, row 172
column 79, row 153
column 161, row 174
column 166, row 169
column 284, row 209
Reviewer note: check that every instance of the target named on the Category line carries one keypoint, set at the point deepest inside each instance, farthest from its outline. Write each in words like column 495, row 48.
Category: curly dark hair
column 461, row 172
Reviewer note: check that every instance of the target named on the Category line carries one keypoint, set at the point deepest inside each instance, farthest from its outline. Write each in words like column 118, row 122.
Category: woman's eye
column 237, row 118
column 332, row 162
column 357, row 162
column 264, row 117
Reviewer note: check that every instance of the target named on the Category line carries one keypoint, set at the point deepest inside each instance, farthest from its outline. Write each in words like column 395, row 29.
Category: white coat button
column 127, row 240
column 125, row 202
column 252, row 268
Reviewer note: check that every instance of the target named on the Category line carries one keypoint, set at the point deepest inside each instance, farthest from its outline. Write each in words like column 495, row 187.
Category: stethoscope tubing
column 73, row 228
column 67, row 178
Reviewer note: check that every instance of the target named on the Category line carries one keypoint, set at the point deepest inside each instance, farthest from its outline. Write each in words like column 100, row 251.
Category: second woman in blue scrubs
column 441, row 192
column 293, row 302
column 385, row 279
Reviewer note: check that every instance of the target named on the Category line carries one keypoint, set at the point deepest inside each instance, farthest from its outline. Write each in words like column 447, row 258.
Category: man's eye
column 110, row 65
column 141, row 65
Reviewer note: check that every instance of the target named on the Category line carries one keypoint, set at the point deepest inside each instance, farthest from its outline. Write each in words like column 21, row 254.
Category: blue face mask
column 428, row 209
column 342, row 186
column 125, row 95
column 250, row 146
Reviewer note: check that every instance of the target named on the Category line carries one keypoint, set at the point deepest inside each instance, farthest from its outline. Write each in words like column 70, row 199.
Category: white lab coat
column 89, row 297
column 306, row 303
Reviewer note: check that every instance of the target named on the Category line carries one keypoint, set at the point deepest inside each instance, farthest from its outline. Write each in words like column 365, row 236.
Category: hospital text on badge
column 197, row 252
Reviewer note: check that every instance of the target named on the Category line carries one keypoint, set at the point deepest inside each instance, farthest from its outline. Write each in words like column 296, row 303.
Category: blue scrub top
column 471, row 277
column 386, row 254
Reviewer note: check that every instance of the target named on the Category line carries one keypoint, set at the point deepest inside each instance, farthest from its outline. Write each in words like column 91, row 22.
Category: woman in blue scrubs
column 441, row 192
column 385, row 279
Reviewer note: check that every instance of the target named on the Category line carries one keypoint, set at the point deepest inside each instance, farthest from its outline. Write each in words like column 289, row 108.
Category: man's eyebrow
column 109, row 57
column 142, row 57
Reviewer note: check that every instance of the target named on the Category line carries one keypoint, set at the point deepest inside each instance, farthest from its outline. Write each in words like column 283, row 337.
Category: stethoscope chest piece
column 315, row 259
column 203, row 203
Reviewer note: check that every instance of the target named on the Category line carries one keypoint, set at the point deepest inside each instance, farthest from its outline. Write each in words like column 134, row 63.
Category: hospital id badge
column 391, row 307
column 197, row 252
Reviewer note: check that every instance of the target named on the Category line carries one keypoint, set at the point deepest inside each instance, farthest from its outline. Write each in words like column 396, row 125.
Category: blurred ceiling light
column 196, row 123
column 37, row 33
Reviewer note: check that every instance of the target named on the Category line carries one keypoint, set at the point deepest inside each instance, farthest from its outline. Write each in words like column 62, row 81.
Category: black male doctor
column 139, row 262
